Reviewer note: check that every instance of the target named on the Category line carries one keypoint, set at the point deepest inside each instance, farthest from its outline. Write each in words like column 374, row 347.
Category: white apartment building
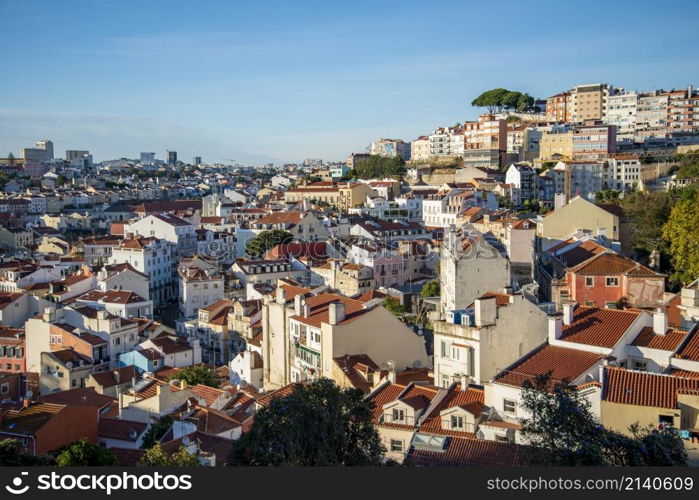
column 420, row 149
column 198, row 288
column 167, row 227
column 623, row 172
column 152, row 257
column 492, row 333
column 621, row 111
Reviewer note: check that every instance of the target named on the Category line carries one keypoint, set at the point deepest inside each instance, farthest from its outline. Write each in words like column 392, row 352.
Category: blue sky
column 284, row 81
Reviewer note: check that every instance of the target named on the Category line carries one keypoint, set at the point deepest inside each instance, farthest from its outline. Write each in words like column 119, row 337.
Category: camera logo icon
column 16, row 488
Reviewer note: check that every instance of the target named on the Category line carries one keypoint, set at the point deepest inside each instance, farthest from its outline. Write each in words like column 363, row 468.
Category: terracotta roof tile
column 598, row 327
column 690, row 349
column 644, row 389
column 564, row 364
column 667, row 342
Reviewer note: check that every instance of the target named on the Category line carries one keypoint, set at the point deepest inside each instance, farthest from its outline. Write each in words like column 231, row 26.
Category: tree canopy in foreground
column 318, row 424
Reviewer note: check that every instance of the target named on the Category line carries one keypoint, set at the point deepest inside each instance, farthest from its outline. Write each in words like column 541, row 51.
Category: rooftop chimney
column 555, row 328
column 281, row 295
column 116, row 376
column 464, row 382
column 568, row 311
column 659, row 322
column 298, row 305
column 485, row 311
column 336, row 312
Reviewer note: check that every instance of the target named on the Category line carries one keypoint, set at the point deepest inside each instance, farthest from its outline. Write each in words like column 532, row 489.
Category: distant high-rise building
column 196, row 160
column 171, row 157
column 147, row 158
column 34, row 154
column 46, row 146
column 72, row 154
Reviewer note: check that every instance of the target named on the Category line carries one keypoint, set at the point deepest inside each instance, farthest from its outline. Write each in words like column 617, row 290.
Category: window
column 457, row 422
column 445, row 349
column 501, row 438
column 589, row 281
column 612, row 281
column 666, row 419
column 396, row 445
column 4, row 388
column 640, row 365
column 398, row 415
column 455, row 353
column 509, row 406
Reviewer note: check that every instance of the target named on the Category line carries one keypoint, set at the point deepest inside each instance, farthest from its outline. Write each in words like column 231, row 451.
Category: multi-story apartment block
column 420, row 148
column 391, row 148
column 559, row 108
column 593, row 140
column 651, row 116
column 469, row 267
column 522, row 178
column 556, row 144
column 683, row 111
column 622, row 111
column 303, row 335
column 198, row 288
column 623, row 172
column 589, row 101
column 167, row 227
column 152, row 257
column 492, row 332
column 485, row 141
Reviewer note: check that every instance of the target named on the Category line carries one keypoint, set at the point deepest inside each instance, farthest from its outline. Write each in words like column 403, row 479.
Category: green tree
column 379, row 167
column 681, row 232
column 12, row 454
column 258, row 245
column 607, row 196
column 648, row 211
column 156, row 431
column 562, row 431
column 318, row 424
column 393, row 306
column 61, row 180
column 83, row 453
column 11, row 158
column 157, row 457
column 491, row 99
column 194, row 375
column 431, row 289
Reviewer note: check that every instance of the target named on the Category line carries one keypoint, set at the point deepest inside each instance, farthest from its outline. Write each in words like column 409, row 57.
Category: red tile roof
column 564, row 364
column 463, row 451
column 644, row 389
column 690, row 349
column 320, row 304
column 667, row 342
column 605, row 264
column 598, row 327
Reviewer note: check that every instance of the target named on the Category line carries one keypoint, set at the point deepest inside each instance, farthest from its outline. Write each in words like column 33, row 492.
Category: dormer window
column 457, row 422
column 398, row 415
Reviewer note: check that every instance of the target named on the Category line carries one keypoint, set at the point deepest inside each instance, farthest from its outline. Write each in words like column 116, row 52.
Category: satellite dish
column 417, row 363
column 185, row 441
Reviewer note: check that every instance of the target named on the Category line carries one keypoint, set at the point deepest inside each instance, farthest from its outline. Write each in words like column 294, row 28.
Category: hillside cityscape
column 446, row 288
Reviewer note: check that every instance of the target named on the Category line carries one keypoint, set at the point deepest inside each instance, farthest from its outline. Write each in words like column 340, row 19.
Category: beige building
column 349, row 279
column 589, row 101
column 556, row 144
column 494, row 332
column 63, row 370
column 304, row 331
column 420, row 149
column 578, row 214
column 649, row 399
